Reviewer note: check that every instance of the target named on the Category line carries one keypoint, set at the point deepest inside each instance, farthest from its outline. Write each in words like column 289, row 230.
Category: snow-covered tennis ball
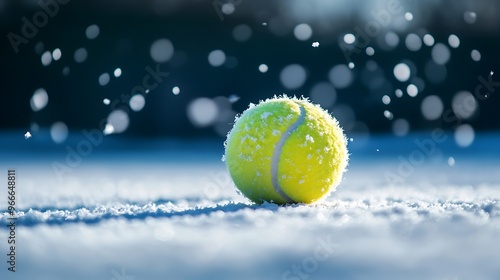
column 286, row 150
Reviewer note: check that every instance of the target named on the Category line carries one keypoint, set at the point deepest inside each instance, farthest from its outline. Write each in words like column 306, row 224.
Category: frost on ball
column 297, row 148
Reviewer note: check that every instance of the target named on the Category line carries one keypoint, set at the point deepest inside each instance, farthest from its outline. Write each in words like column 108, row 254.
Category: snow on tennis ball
column 286, row 150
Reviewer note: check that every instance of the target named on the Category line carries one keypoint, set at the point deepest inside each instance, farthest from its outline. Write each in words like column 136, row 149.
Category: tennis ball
column 286, row 150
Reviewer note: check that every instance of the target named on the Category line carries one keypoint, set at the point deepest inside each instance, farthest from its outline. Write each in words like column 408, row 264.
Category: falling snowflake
column 27, row 135
column 233, row 98
column 315, row 44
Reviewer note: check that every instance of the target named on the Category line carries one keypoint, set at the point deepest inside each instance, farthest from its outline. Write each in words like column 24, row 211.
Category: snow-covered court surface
column 130, row 209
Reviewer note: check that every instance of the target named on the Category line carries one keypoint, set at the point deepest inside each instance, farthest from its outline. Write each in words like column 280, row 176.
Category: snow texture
column 141, row 214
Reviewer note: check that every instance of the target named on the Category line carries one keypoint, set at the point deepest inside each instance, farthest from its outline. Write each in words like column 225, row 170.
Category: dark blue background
column 128, row 28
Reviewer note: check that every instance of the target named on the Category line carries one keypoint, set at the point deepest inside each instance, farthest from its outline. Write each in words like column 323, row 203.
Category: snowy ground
column 168, row 210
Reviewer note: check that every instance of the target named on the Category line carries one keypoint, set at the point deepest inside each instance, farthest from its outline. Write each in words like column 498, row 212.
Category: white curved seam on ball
column 277, row 154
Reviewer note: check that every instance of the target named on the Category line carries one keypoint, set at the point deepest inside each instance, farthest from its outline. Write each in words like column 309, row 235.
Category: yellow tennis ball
column 286, row 150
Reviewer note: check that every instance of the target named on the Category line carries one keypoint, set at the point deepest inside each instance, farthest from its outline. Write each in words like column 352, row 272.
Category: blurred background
column 184, row 69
